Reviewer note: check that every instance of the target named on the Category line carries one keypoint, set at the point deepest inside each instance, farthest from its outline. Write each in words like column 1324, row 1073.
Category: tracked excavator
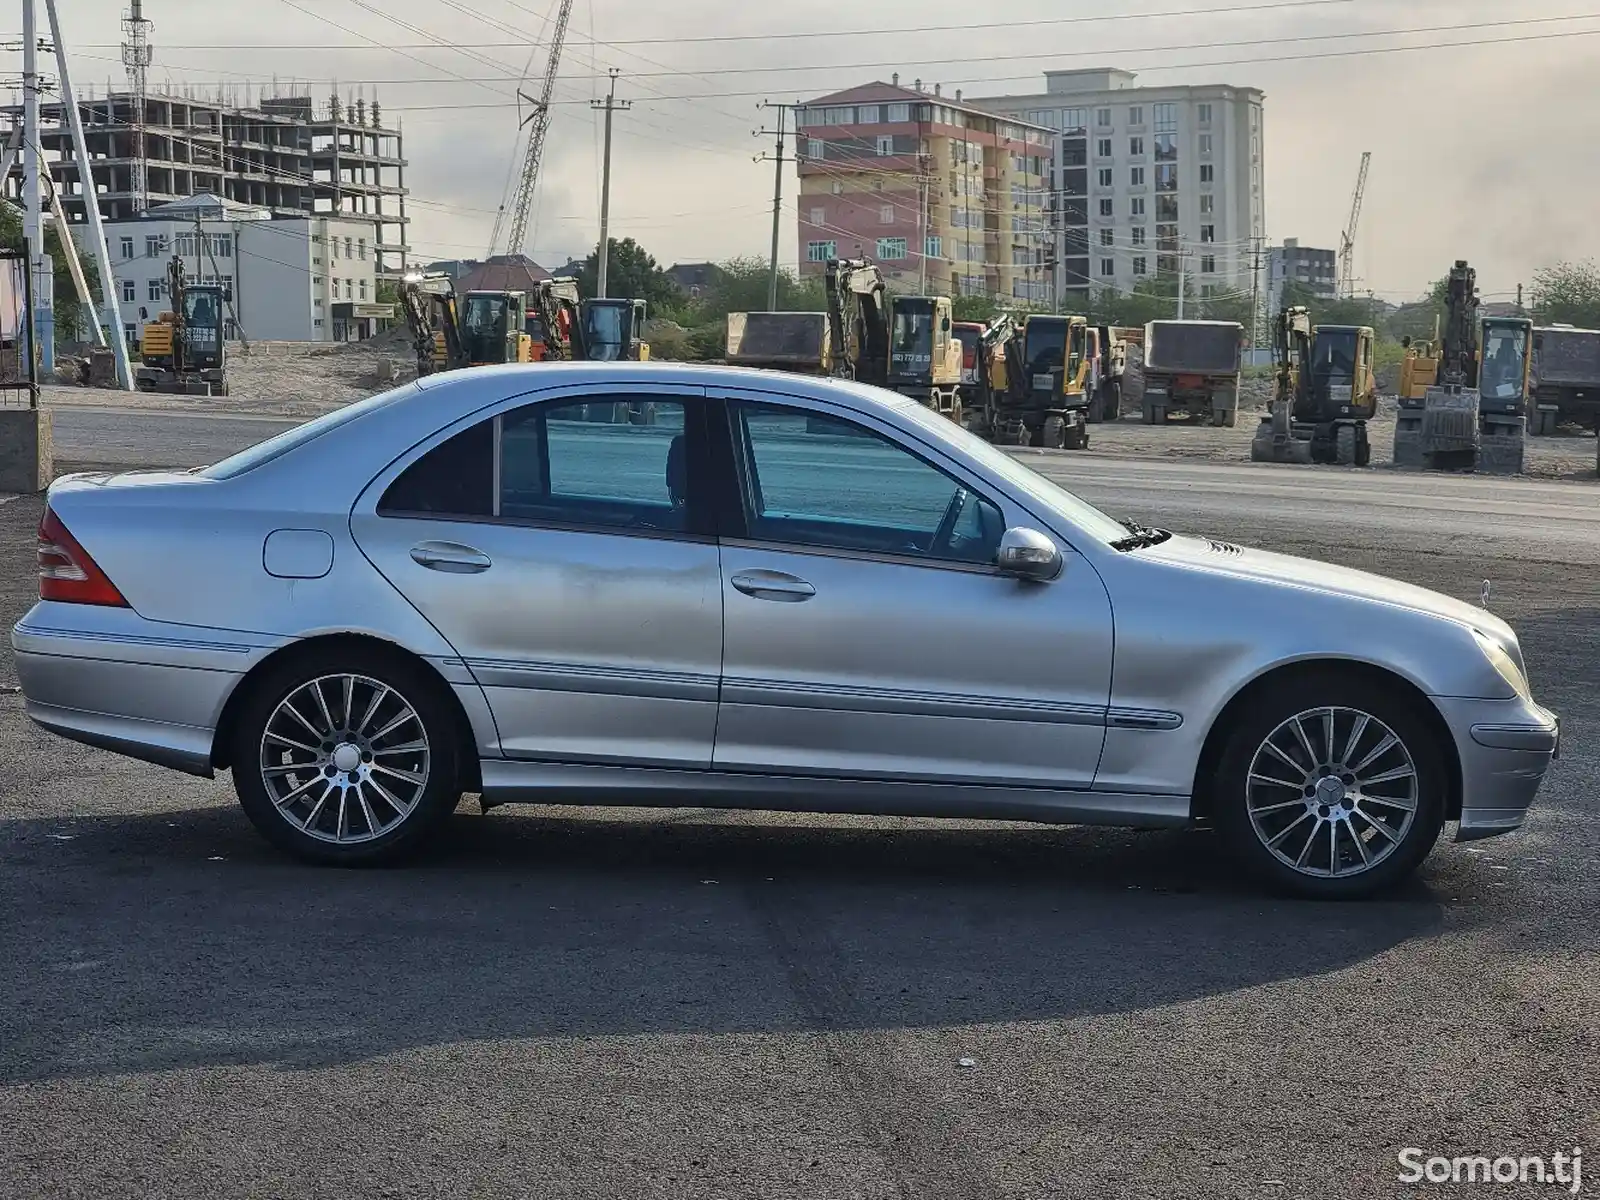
column 1473, row 416
column 185, row 350
column 904, row 343
column 1324, row 393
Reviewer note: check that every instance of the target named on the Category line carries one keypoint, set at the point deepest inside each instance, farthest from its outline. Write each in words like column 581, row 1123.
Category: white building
column 294, row 279
column 1146, row 176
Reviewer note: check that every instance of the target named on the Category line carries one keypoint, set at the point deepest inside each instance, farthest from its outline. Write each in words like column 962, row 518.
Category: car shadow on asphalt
column 178, row 940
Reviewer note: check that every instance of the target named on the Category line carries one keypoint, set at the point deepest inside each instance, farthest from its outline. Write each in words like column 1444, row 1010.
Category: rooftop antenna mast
column 136, row 57
column 538, row 124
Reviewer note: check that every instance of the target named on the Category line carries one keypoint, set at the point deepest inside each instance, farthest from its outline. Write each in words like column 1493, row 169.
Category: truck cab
column 613, row 330
column 1505, row 359
column 925, row 356
column 493, row 328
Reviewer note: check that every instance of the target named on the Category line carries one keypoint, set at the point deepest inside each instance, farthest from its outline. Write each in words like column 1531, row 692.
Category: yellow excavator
column 476, row 330
column 185, row 350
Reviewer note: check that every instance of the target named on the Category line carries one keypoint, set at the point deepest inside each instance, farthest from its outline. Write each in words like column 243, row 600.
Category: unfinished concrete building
column 285, row 154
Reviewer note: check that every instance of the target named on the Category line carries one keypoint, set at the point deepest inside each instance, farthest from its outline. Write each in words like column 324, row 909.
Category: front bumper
column 1505, row 748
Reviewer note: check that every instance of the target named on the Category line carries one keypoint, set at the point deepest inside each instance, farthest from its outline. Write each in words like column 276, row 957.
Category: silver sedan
column 660, row 585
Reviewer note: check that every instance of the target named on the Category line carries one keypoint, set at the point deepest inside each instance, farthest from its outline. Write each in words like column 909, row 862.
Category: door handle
column 450, row 557
column 773, row 585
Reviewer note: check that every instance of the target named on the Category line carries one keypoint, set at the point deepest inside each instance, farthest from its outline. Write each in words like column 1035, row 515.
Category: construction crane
column 538, row 123
column 1347, row 239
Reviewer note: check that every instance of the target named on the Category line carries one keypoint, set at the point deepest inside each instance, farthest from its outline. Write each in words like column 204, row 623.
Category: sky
column 1483, row 151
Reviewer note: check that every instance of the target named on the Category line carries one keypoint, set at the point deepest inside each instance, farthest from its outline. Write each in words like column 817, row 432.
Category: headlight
column 1504, row 664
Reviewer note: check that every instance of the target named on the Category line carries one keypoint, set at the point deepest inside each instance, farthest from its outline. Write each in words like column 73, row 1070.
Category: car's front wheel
column 1330, row 787
column 346, row 761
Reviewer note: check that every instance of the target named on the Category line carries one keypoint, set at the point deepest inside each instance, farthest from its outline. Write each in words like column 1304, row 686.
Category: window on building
column 885, row 214
column 127, row 248
column 1102, row 118
column 1138, row 235
column 1166, row 118
column 1208, row 233
column 885, row 146
column 1136, row 176
column 1167, row 208
column 361, row 249
column 1136, row 115
column 933, row 247
column 1102, row 148
column 896, row 114
column 156, row 290
column 130, row 334
column 317, row 322
column 153, row 246
column 1140, row 266
column 868, row 114
column 1108, row 266
column 1105, row 177
column 891, row 247
column 1136, row 146
column 821, row 251
column 1074, row 120
column 349, row 244
column 1136, row 207
column 1108, row 207
column 1108, row 237
column 1203, row 114
column 1166, row 147
column 318, row 304
column 837, row 188
column 128, row 291
column 363, row 289
column 1207, row 205
column 1208, row 173
column 816, row 149
column 348, row 286
column 1208, row 264
column 1167, row 177
column 817, row 215
column 1205, row 145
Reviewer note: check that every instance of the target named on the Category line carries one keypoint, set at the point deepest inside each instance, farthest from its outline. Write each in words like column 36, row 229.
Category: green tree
column 742, row 285
column 73, row 323
column 631, row 273
column 1568, row 293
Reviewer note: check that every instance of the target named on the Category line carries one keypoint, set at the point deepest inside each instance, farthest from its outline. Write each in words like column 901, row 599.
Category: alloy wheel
column 1332, row 792
column 345, row 758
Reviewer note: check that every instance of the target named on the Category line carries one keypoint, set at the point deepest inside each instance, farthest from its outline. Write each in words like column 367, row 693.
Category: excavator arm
column 558, row 303
column 857, row 299
column 430, row 300
column 1458, row 361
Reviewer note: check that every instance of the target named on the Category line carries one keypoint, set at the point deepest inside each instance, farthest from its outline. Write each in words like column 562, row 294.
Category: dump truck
column 780, row 341
column 1193, row 367
column 1566, row 377
column 185, row 350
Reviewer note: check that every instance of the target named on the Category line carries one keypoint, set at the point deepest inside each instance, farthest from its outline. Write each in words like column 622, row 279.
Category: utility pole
column 777, row 160
column 1255, row 297
column 39, row 265
column 1519, row 300
column 1183, row 263
column 922, row 224
column 91, row 205
column 610, row 104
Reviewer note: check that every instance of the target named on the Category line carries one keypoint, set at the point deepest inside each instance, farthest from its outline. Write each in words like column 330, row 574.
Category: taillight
column 67, row 573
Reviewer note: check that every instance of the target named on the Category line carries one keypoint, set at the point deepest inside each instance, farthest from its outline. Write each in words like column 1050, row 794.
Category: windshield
column 1045, row 346
column 1333, row 356
column 1505, row 351
column 1080, row 513
column 200, row 309
column 483, row 328
column 603, row 331
column 911, row 337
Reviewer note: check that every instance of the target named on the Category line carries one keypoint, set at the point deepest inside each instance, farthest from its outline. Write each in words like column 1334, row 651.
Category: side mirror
column 1028, row 554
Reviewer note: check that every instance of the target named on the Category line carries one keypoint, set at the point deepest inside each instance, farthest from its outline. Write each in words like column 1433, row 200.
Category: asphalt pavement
column 707, row 1004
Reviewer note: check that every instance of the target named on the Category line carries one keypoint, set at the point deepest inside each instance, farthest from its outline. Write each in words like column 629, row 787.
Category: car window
column 817, row 481
column 619, row 462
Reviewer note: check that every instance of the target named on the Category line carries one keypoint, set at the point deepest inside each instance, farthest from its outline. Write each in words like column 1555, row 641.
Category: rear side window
column 617, row 463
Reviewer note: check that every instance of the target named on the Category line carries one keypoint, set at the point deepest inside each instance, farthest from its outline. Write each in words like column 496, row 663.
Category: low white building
column 294, row 279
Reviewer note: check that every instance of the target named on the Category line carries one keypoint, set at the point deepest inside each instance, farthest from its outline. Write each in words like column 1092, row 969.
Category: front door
column 572, row 566
column 867, row 634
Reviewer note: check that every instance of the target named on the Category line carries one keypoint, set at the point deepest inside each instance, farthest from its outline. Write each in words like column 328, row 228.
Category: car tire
column 1394, row 808
column 366, row 793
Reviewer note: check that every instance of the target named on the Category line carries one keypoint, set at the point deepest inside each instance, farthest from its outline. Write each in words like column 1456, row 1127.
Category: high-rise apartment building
column 1315, row 270
column 1149, row 179
column 946, row 197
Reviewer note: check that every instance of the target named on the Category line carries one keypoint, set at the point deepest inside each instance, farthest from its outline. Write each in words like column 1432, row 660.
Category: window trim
column 735, row 483
column 702, row 508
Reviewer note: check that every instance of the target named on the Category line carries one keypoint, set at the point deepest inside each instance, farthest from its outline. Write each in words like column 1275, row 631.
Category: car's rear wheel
column 347, row 761
column 1330, row 787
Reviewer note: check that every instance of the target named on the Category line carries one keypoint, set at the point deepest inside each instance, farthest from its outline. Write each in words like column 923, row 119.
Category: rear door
column 563, row 549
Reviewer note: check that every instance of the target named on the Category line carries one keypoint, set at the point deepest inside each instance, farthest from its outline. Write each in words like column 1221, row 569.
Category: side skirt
column 510, row 782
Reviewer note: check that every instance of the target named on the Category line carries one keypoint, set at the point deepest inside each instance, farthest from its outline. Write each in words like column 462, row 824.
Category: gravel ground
column 699, row 1004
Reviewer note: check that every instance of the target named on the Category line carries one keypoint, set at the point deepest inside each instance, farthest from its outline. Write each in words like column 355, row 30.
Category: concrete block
column 27, row 455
